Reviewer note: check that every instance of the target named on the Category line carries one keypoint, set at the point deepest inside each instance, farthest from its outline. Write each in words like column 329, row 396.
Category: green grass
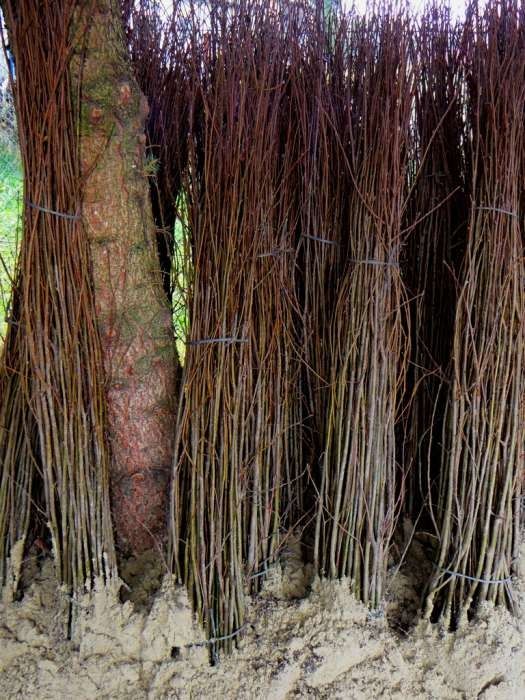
column 10, row 211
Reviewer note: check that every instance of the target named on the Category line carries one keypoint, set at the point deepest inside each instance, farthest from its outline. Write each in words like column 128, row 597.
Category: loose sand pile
column 323, row 645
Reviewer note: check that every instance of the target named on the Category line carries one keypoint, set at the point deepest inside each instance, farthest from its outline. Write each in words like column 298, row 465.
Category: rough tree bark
column 133, row 314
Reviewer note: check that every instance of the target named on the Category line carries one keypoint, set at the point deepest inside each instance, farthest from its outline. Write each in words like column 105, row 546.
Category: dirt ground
column 303, row 639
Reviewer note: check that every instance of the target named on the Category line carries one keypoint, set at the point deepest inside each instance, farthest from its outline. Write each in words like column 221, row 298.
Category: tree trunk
column 133, row 315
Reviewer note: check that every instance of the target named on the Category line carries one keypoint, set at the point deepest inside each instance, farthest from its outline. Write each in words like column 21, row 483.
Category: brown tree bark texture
column 133, row 314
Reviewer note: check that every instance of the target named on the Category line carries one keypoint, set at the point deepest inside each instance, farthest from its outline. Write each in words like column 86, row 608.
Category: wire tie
column 264, row 570
column 214, row 640
column 319, row 240
column 498, row 209
column 276, row 252
column 457, row 574
column 61, row 214
column 227, row 341
column 384, row 263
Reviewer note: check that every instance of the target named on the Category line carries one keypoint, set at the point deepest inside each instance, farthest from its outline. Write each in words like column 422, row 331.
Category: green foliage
column 180, row 279
column 10, row 219
column 10, row 212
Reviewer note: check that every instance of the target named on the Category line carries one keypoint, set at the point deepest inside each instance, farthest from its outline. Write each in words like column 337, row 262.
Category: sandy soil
column 321, row 645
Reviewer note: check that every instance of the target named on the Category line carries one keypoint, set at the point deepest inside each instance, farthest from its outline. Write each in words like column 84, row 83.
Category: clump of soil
column 323, row 645
column 142, row 577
